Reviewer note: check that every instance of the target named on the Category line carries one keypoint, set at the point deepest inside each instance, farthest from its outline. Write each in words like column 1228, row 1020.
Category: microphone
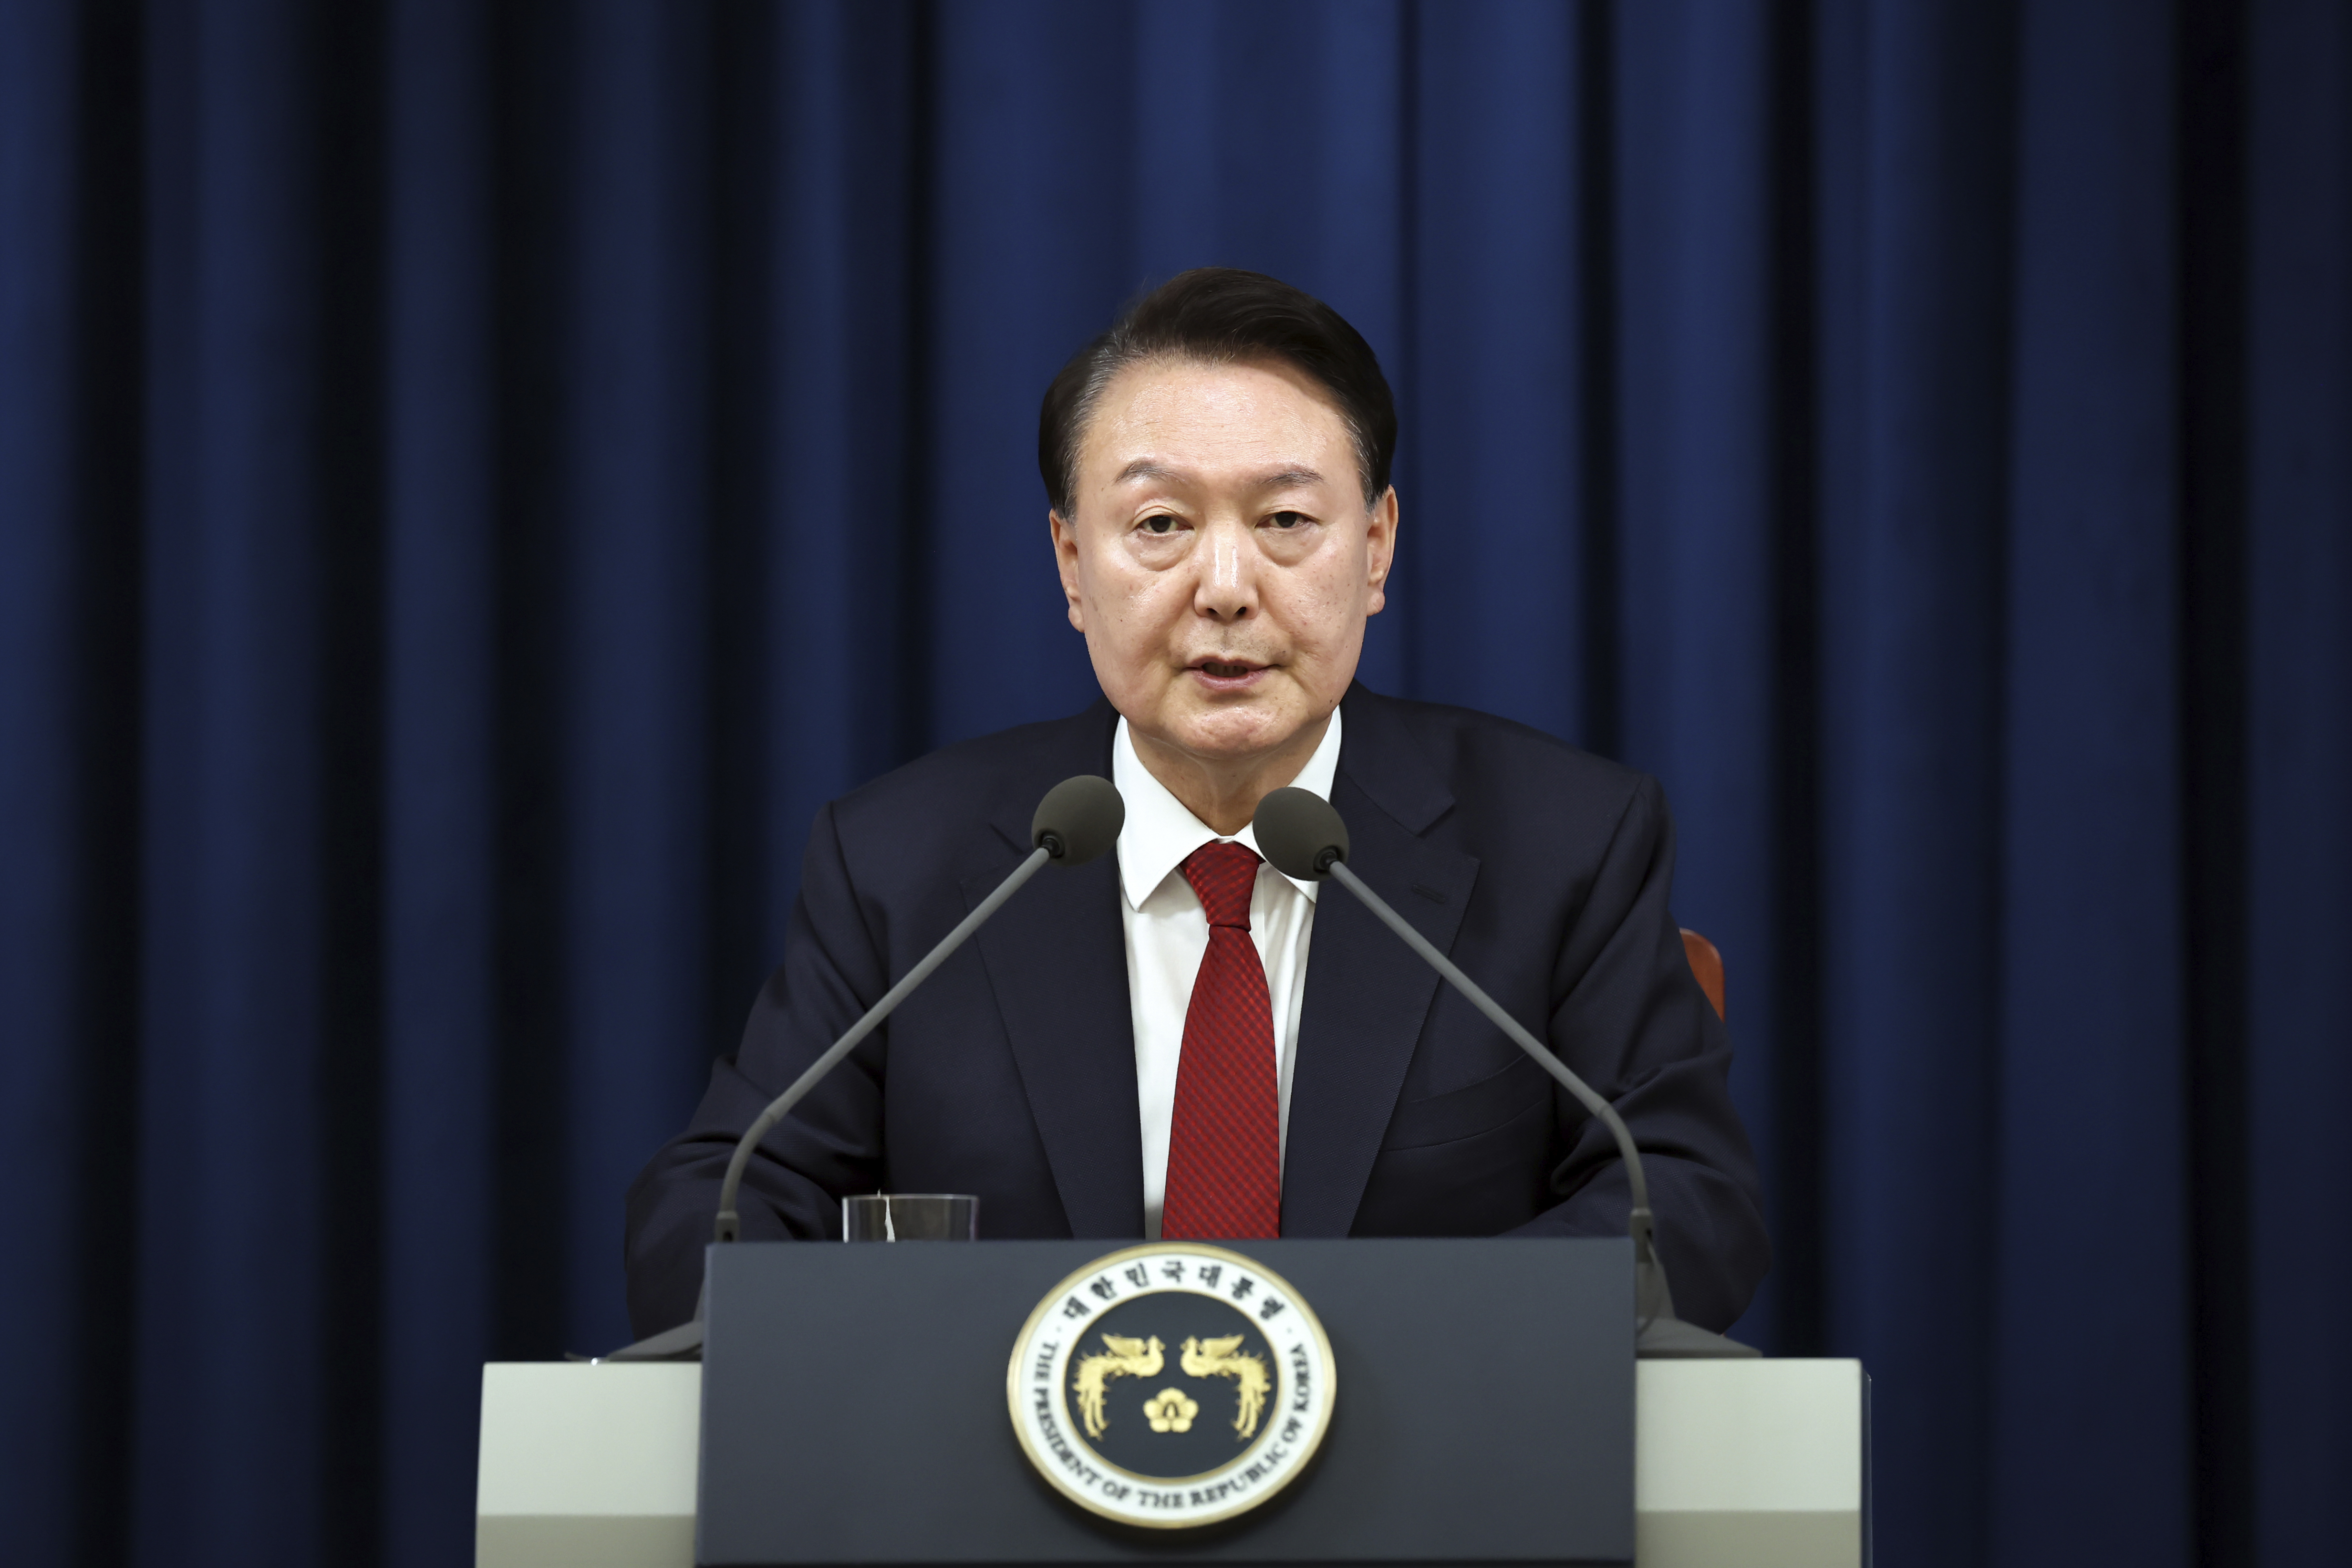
column 1077, row 822
column 1303, row 836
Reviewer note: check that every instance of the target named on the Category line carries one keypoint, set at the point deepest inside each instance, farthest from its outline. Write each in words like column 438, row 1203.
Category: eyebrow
column 1287, row 479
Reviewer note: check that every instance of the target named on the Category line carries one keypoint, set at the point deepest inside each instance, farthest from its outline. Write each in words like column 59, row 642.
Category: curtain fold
column 442, row 873
column 2297, row 864
column 478, row 479
column 1914, row 366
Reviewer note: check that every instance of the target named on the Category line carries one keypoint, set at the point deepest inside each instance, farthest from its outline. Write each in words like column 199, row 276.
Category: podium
column 1487, row 1409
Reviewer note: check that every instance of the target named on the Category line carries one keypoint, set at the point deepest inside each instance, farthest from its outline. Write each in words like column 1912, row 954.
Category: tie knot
column 1223, row 874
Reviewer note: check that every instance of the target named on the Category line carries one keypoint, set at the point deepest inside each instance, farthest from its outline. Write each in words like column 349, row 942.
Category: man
column 1178, row 1040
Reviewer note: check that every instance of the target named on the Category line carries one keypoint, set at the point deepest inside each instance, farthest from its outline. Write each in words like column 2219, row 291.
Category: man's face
column 1221, row 560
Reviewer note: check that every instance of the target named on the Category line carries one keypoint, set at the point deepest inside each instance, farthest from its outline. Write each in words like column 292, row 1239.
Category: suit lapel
column 1056, row 960
column 1367, row 995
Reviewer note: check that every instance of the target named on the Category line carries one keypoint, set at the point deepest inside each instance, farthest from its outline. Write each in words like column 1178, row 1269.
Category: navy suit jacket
column 1543, row 871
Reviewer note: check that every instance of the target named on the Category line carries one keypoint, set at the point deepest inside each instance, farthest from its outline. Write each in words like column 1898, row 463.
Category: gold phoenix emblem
column 1169, row 1411
column 1057, row 1385
column 1125, row 1358
column 1225, row 1358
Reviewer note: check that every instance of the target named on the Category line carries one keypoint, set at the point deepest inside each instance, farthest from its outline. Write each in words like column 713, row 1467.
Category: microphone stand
column 1658, row 1332
column 683, row 1342
column 1078, row 820
column 729, row 1226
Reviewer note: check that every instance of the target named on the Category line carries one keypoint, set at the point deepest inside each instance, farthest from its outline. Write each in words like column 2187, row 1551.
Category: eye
column 1159, row 522
column 1288, row 519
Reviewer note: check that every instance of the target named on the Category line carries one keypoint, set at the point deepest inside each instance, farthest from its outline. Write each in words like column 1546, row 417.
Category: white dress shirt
column 1168, row 934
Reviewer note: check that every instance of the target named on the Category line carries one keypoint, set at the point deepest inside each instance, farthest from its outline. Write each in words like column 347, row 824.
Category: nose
column 1226, row 591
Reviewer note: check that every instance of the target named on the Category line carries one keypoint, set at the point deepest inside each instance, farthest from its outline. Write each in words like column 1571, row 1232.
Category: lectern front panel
column 854, row 1408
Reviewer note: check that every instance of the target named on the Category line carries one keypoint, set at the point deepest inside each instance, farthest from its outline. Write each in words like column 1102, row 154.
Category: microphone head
column 1078, row 820
column 1300, row 833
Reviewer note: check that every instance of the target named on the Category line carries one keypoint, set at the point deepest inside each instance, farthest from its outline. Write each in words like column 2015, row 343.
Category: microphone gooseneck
column 1303, row 836
column 1077, row 822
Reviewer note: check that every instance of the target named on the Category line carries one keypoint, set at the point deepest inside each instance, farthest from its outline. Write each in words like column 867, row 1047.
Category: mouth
column 1225, row 673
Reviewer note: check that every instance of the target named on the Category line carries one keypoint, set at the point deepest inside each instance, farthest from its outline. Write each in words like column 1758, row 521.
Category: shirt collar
column 1160, row 832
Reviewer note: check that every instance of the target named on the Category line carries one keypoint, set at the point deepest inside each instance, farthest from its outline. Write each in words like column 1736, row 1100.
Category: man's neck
column 1223, row 791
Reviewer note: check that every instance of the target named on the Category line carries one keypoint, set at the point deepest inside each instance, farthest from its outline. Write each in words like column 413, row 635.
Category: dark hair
column 1223, row 315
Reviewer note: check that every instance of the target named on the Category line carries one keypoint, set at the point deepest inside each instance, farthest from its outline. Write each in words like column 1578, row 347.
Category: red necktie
column 1225, row 1149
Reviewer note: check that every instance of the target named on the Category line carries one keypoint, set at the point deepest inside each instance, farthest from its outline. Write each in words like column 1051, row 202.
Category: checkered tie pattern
column 1224, row 1148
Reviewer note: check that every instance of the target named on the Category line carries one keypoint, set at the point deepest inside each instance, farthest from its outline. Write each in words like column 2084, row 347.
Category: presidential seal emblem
column 1170, row 1385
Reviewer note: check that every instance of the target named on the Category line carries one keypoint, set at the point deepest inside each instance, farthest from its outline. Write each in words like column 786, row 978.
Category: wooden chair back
column 1707, row 964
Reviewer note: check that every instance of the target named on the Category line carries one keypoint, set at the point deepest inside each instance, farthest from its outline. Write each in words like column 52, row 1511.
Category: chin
column 1238, row 731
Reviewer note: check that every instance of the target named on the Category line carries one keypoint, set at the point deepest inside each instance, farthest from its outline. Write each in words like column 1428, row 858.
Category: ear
column 1380, row 549
column 1065, row 559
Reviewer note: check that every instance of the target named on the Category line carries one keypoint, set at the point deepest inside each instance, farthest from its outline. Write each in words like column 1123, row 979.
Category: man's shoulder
column 1486, row 761
column 996, row 779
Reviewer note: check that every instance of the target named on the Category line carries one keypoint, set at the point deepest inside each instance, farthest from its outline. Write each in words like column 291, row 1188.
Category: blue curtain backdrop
column 474, row 478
